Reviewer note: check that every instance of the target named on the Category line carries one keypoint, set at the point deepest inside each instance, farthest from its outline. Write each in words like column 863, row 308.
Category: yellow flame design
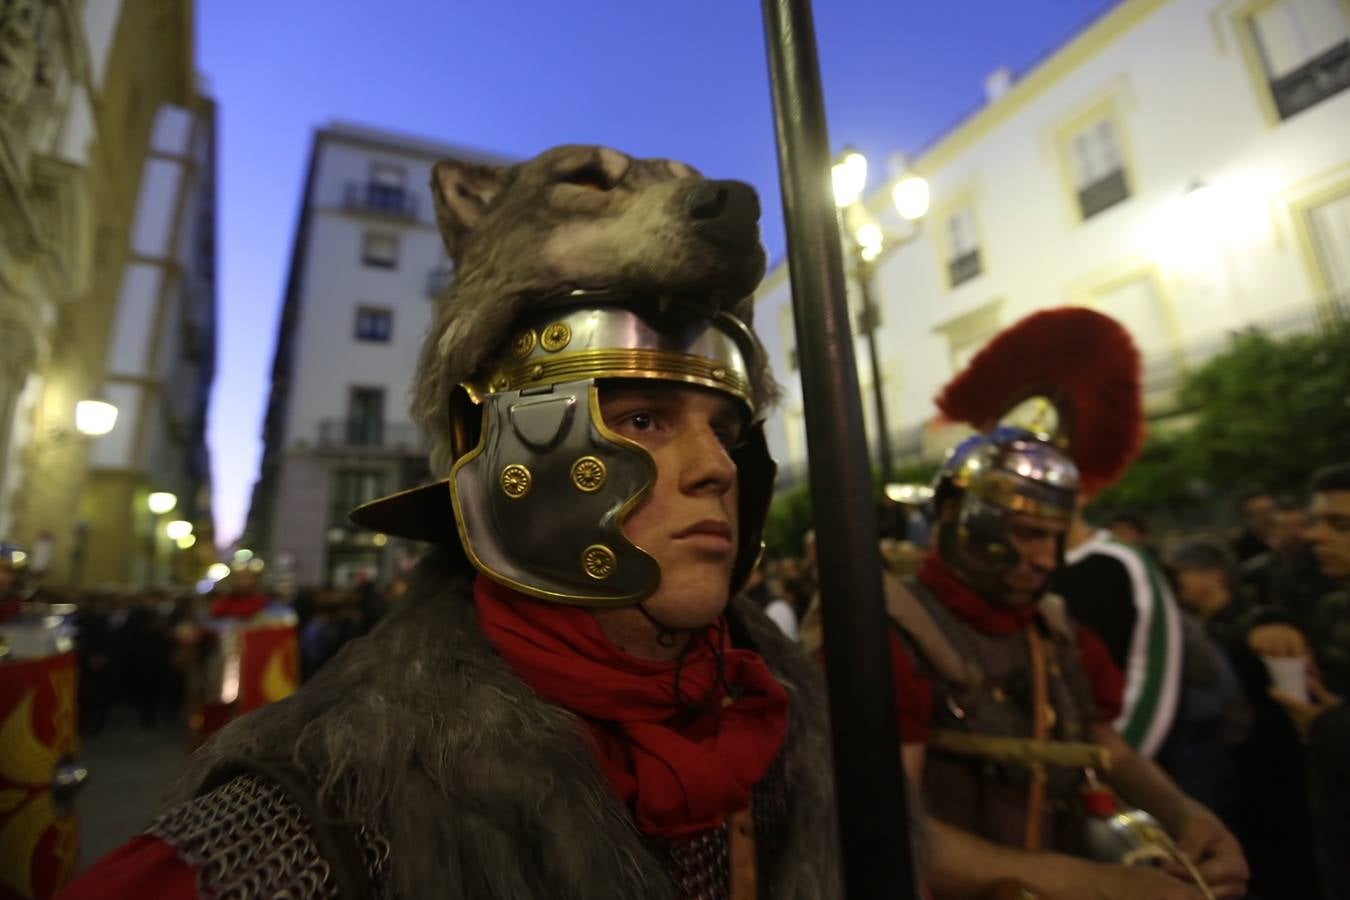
column 277, row 682
column 23, row 758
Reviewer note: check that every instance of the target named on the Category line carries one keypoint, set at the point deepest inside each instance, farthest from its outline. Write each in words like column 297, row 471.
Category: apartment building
column 1182, row 165
column 366, row 264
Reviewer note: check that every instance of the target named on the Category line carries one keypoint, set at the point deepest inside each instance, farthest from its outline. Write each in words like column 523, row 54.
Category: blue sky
column 686, row 80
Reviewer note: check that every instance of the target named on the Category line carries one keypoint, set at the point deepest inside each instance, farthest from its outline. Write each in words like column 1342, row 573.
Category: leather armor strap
column 1040, row 726
column 1021, row 751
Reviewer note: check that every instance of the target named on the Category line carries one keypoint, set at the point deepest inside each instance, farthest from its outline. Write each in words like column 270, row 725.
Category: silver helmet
column 540, row 488
column 992, row 478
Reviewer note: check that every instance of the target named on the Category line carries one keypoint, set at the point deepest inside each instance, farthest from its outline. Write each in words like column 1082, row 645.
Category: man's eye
column 639, row 421
column 730, row 437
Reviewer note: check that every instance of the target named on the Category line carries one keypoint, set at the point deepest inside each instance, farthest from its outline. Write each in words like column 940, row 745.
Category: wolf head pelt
column 576, row 217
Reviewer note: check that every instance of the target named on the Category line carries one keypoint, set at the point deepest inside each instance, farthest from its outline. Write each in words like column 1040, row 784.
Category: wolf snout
column 724, row 213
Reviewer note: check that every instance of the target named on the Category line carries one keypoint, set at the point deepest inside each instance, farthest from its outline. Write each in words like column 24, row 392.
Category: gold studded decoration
column 588, row 474
column 516, row 481
column 523, row 343
column 498, row 384
column 555, row 337
column 598, row 561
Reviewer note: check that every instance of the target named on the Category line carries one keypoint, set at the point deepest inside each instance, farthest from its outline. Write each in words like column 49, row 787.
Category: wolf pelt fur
column 483, row 789
column 575, row 217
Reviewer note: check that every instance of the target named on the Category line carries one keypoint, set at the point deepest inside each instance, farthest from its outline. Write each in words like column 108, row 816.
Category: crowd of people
column 1272, row 758
column 142, row 650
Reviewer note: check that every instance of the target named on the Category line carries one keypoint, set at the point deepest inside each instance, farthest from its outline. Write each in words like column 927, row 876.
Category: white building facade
column 366, row 265
column 160, row 365
column 1181, row 165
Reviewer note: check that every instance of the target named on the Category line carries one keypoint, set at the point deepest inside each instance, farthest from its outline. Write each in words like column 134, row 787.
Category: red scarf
column 963, row 600
column 677, row 770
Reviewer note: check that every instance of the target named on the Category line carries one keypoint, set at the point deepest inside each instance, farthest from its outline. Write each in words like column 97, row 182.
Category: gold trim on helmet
column 666, row 365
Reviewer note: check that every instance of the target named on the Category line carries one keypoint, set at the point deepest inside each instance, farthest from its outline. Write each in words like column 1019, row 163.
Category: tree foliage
column 1265, row 412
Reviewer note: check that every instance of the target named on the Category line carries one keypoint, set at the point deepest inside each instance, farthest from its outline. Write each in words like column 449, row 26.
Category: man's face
column 1258, row 514
column 1036, row 541
column 1128, row 532
column 1291, row 526
column 1330, row 532
column 1202, row 591
column 688, row 522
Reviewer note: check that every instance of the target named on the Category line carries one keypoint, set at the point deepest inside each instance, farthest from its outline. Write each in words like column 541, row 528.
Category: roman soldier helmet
column 534, row 489
column 1055, row 402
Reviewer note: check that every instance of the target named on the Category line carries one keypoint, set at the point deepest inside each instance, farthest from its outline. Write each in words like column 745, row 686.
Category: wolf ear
column 462, row 191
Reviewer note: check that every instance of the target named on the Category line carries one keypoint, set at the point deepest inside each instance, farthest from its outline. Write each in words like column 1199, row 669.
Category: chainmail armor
column 699, row 864
column 248, row 838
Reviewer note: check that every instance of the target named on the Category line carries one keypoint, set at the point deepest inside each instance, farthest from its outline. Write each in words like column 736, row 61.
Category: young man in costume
column 571, row 701
column 1018, row 701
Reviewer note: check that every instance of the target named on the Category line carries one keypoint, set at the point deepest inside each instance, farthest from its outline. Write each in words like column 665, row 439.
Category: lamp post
column 159, row 503
column 868, row 241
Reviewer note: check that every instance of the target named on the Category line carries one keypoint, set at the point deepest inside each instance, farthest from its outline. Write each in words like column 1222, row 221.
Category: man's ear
column 462, row 192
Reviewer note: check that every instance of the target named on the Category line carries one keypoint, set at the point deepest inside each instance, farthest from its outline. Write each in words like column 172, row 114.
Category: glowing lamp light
column 217, row 571
column 849, row 177
column 910, row 196
column 177, row 529
column 95, row 417
column 243, row 555
column 18, row 557
column 380, row 540
column 870, row 238
column 186, row 541
column 255, row 565
column 161, row 502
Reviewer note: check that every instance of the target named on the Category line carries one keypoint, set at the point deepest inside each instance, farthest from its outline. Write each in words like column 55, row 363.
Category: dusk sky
column 683, row 80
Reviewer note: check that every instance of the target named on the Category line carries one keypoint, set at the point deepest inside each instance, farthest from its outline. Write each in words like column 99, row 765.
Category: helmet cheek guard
column 541, row 452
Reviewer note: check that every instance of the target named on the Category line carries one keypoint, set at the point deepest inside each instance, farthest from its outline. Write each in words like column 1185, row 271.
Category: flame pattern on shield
column 39, row 843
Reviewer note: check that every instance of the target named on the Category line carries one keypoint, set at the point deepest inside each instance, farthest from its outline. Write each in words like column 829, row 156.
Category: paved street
column 130, row 768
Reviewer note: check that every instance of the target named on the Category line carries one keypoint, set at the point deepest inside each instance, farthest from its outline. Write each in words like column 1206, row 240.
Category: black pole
column 864, row 272
column 873, row 825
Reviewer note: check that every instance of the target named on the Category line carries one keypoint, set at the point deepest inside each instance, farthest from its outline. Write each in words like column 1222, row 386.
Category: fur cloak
column 421, row 731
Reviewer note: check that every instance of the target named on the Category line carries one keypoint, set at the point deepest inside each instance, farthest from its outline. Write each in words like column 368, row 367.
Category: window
column 380, row 249
column 963, row 247
column 1098, row 167
column 351, row 488
column 1137, row 305
column 374, row 324
column 967, row 334
column 1304, row 48
column 387, row 188
column 1329, row 226
column 365, row 417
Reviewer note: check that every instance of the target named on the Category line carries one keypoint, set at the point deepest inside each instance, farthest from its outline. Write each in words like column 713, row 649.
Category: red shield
column 39, row 842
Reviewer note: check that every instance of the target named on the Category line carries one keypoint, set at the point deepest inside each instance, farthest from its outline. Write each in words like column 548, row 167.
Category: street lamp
column 868, row 241
column 178, row 529
column 159, row 503
column 95, row 417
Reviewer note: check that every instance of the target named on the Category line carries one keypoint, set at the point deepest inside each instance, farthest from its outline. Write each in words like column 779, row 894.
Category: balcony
column 1313, row 82
column 363, row 436
column 389, row 201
